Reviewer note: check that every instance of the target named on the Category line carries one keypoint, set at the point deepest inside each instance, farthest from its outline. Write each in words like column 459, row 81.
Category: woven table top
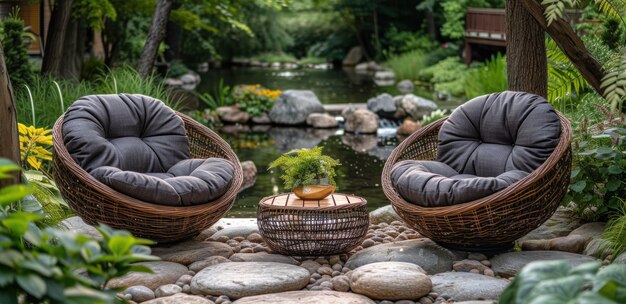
column 333, row 201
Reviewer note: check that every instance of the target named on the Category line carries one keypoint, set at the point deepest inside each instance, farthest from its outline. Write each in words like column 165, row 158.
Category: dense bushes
column 16, row 55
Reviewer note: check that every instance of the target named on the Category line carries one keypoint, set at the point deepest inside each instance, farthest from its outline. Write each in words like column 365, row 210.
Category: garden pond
column 362, row 157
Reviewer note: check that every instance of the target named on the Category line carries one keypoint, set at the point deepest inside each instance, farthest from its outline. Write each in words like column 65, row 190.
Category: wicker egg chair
column 97, row 203
column 492, row 223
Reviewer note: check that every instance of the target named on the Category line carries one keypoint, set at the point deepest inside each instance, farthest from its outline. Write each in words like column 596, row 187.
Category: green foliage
column 599, row 170
column 433, row 116
column 46, row 192
column 407, row 65
column 303, row 167
column 220, row 97
column 564, row 79
column 399, row 42
column 612, row 33
column 275, row 57
column 454, row 12
column 614, row 82
column 56, row 266
column 254, row 99
column 447, row 75
column 554, row 9
column 558, row 282
column 488, row 78
column 15, row 52
column 177, row 69
column 615, row 232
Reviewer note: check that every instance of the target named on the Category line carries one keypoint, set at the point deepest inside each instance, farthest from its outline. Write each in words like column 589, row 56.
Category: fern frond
column 554, row 8
column 564, row 79
column 614, row 82
column 612, row 8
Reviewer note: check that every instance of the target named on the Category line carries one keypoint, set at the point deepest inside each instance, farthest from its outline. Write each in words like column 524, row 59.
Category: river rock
column 561, row 223
column 307, row 297
column 162, row 273
column 139, row 293
column 353, row 57
column 361, row 121
column 422, row 252
column 408, row 127
column 262, row 119
column 235, row 231
column 249, row 174
column 382, row 105
column 232, row 114
column 180, row 298
column 289, row 138
column 598, row 248
column 590, row 230
column 384, row 75
column 468, row 265
column 620, row 259
column 293, row 107
column 263, row 257
column 466, row 286
column 415, row 107
column 311, row 266
column 405, row 86
column 390, row 281
column 571, row 243
column 76, row 224
column 360, row 142
column 199, row 265
column 384, row 214
column 243, row 279
column 321, row 121
column 167, row 290
column 191, row 251
column 508, row 264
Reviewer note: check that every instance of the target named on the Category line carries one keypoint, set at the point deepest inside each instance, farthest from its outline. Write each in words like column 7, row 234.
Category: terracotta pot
column 314, row 192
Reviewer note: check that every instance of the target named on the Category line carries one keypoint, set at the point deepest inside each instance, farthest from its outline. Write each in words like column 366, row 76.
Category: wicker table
column 293, row 226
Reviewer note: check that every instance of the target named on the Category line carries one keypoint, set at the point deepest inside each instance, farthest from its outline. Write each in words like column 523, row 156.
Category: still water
column 362, row 157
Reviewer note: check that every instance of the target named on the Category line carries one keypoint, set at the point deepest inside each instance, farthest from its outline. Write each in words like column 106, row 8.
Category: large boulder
column 162, row 273
column 384, row 215
column 509, row 264
column 232, row 114
column 383, row 105
column 390, row 281
column 294, row 106
column 321, row 121
column 415, row 107
column 361, row 121
column 354, row 56
column 191, row 251
column 465, row 286
column 405, row 86
column 307, row 297
column 408, row 127
column 249, row 174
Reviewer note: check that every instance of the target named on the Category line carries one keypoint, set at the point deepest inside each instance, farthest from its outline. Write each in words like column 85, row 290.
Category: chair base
column 488, row 250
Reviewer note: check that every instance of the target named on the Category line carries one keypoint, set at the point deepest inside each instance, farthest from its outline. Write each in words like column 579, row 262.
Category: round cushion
column 499, row 132
column 129, row 132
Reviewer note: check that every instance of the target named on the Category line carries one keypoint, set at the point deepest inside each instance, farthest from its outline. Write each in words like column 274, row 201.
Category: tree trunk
column 174, row 41
column 527, row 66
column 53, row 55
column 432, row 28
column 9, row 141
column 571, row 45
column 155, row 36
column 73, row 50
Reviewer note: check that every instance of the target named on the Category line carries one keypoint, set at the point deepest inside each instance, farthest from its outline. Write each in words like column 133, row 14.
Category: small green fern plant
column 302, row 167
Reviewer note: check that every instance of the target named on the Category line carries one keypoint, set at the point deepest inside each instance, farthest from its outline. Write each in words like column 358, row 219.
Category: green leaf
column 6, row 278
column 7, row 166
column 613, row 184
column 8, row 296
column 579, row 186
column 13, row 193
column 614, row 169
column 120, row 245
column 32, row 284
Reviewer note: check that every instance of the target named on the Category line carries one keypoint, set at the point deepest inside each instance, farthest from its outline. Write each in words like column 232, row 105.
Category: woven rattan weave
column 293, row 226
column 96, row 203
column 491, row 222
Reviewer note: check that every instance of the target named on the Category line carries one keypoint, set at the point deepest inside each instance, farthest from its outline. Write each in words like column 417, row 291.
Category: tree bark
column 74, row 48
column 9, row 141
column 155, row 37
column 53, row 55
column 527, row 66
column 571, row 45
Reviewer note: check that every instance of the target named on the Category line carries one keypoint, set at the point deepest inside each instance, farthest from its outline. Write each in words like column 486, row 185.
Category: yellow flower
column 31, row 139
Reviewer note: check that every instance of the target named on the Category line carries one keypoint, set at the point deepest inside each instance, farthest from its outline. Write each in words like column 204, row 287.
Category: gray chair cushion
column 499, row 132
column 129, row 132
column 189, row 182
column 487, row 144
column 435, row 184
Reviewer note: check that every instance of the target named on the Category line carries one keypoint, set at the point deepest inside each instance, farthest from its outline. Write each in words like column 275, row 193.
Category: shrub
column 447, row 75
column 407, row 65
column 433, row 116
column 254, row 99
column 559, row 282
column 615, row 232
column 488, row 78
column 15, row 52
column 305, row 166
column 56, row 266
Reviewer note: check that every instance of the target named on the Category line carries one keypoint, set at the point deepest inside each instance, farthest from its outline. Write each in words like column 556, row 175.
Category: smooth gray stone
column 510, row 263
column 466, row 286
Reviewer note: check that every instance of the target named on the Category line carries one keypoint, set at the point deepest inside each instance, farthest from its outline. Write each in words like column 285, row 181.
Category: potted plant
column 307, row 172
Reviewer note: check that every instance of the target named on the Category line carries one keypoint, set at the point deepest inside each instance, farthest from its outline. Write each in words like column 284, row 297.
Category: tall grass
column 407, row 65
column 487, row 78
column 50, row 98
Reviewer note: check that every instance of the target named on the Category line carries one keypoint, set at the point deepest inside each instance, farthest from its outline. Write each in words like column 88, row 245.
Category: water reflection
column 362, row 158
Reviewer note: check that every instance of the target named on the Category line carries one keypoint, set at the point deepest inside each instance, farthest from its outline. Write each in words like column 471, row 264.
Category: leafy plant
column 47, row 195
column 599, row 172
column 407, row 65
column 305, row 167
column 564, row 79
column 559, row 282
column 488, row 78
column 219, row 98
column 254, row 99
column 56, row 266
column 15, row 52
column 447, row 75
column 34, row 145
column 615, row 232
